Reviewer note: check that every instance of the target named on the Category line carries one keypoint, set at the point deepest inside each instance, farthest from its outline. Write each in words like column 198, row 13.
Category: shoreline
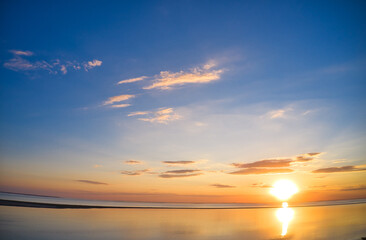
column 15, row 203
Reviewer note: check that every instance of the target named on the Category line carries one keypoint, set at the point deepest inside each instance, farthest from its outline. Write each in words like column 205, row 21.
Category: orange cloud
column 217, row 185
column 163, row 115
column 165, row 80
column 131, row 80
column 260, row 185
column 119, row 98
column 138, row 113
column 133, row 162
column 120, row 105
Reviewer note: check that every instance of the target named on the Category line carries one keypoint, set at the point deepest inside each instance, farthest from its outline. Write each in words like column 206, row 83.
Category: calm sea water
column 318, row 222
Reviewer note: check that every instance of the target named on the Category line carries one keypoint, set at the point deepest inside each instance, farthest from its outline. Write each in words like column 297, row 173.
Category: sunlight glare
column 284, row 189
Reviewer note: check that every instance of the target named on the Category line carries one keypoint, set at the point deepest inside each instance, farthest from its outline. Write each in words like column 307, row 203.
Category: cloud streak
column 339, row 169
column 19, row 63
column 178, row 162
column 91, row 182
column 217, row 185
column 166, row 80
column 131, row 80
column 133, row 162
column 119, row 98
column 277, row 165
column 180, row 173
column 135, row 173
column 163, row 115
column 249, row 171
column 265, row 163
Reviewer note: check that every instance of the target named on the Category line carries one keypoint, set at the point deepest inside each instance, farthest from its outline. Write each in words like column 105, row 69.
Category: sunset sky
column 183, row 101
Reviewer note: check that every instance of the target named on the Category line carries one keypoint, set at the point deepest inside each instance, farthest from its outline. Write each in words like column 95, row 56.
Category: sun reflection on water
column 285, row 215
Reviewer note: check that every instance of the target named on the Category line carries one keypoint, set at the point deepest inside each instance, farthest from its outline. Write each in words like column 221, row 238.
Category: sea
column 142, row 220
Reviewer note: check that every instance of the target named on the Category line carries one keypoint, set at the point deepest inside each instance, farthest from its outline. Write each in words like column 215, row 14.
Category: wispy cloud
column 166, row 80
column 217, row 185
column 265, row 163
column 120, row 105
column 20, row 63
column 97, row 166
column 131, row 80
column 94, row 63
column 135, row 172
column 354, row 188
column 138, row 113
column 21, row 53
column 260, row 185
column 279, row 113
column 119, row 98
column 340, row 169
column 91, row 182
column 248, row 171
column 277, row 165
column 180, row 173
column 133, row 162
column 163, row 115
column 178, row 162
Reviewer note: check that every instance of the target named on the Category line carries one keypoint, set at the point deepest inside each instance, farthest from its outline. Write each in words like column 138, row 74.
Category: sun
column 284, row 189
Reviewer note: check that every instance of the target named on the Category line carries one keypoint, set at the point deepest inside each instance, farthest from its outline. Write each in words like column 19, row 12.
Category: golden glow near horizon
column 284, row 189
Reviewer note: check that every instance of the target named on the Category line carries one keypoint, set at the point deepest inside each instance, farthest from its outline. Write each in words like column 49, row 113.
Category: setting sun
column 284, row 189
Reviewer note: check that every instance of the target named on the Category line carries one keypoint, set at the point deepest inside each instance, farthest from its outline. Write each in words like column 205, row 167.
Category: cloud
column 138, row 113
column 63, row 69
column 248, row 171
column 91, row 182
column 97, row 166
column 119, row 98
column 133, row 162
column 131, row 80
column 178, row 162
column 21, row 53
column 120, row 105
column 135, row 173
column 217, row 185
column 314, row 153
column 277, row 165
column 180, row 173
column 54, row 66
column 165, row 80
column 279, row 113
column 354, row 188
column 163, row 115
column 265, row 163
column 339, row 169
column 95, row 63
column 260, row 185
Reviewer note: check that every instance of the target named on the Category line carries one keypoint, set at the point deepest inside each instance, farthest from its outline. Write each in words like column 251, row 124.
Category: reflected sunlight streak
column 285, row 215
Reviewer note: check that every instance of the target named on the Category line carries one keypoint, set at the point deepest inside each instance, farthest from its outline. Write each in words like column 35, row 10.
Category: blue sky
column 217, row 82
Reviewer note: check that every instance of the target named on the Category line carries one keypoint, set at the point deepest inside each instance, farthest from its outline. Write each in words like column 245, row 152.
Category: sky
column 183, row 101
